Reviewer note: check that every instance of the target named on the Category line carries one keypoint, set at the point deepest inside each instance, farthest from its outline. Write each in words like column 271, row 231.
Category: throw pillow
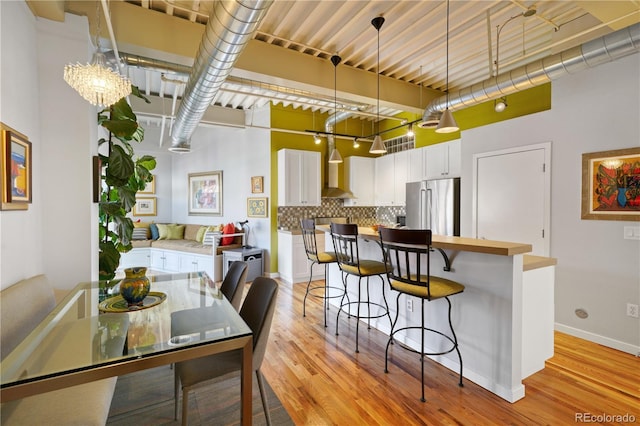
column 175, row 232
column 162, row 231
column 142, row 225
column 139, row 234
column 200, row 234
column 155, row 233
column 229, row 228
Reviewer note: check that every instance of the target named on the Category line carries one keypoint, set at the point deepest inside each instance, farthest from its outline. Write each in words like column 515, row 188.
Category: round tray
column 118, row 304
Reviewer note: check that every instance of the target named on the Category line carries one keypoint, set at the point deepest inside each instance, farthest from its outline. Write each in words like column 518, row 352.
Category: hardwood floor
column 321, row 380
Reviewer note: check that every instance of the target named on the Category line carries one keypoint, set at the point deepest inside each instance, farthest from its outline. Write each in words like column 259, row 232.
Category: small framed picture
column 145, row 206
column 257, row 207
column 257, row 184
column 16, row 170
column 150, row 188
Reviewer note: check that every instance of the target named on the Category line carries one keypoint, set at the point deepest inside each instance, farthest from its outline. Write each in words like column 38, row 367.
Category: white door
column 511, row 196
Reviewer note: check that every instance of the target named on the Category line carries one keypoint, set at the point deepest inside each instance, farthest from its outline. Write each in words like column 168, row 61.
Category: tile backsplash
column 289, row 217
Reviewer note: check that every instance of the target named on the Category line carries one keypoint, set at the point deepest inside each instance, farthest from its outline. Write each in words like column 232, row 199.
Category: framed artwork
column 257, row 184
column 97, row 178
column 611, row 185
column 16, row 170
column 145, row 206
column 257, row 206
column 150, row 188
column 205, row 193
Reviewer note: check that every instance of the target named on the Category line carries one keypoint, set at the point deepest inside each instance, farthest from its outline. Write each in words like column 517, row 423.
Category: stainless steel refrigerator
column 434, row 204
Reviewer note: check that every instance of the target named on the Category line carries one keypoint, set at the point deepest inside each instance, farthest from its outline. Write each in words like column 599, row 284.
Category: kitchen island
column 503, row 320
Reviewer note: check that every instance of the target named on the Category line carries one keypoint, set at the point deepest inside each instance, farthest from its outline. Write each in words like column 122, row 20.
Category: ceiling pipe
column 229, row 29
column 605, row 49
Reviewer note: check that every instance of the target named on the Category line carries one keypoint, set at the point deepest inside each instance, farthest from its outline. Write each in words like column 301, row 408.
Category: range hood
column 331, row 189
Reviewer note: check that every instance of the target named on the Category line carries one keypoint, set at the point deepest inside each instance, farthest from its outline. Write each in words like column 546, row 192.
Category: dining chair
column 233, row 284
column 345, row 244
column 257, row 311
column 407, row 256
column 194, row 320
column 308, row 227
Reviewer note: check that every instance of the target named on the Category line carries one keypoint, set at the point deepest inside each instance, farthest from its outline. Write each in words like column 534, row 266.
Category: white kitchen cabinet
column 400, row 176
column 415, row 172
column 359, row 175
column 298, row 178
column 443, row 160
column 191, row 262
column 391, row 178
column 384, row 179
column 165, row 260
column 134, row 258
column 293, row 265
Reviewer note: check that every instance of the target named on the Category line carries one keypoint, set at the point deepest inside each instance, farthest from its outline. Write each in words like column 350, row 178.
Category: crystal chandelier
column 96, row 82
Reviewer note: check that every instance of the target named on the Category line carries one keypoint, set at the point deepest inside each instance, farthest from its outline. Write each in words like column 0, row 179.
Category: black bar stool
column 407, row 254
column 322, row 258
column 345, row 244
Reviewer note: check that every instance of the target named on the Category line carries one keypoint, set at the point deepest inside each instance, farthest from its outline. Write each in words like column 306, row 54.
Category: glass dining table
column 86, row 338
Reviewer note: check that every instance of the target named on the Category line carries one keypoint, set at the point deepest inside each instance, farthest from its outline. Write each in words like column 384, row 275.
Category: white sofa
column 22, row 307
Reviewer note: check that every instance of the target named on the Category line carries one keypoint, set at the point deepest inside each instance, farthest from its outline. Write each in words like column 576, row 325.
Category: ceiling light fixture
column 447, row 123
column 356, row 144
column 378, row 146
column 335, row 156
column 96, row 82
column 410, row 132
column 500, row 105
column 316, row 139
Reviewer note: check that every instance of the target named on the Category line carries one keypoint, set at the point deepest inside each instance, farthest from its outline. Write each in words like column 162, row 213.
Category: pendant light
column 447, row 123
column 335, row 156
column 96, row 82
column 378, row 146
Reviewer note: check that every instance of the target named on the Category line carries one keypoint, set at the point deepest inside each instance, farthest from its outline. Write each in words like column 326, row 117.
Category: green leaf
column 127, row 197
column 112, row 208
column 147, row 161
column 121, row 110
column 135, row 91
column 121, row 128
column 121, row 165
column 108, row 260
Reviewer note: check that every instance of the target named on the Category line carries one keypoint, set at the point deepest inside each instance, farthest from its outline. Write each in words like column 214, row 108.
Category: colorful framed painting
column 205, row 193
column 611, row 185
column 257, row 184
column 150, row 188
column 16, row 170
column 145, row 206
column 257, row 207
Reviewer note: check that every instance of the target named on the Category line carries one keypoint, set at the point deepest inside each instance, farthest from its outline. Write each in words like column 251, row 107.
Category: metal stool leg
column 358, row 314
column 455, row 342
column 390, row 341
column 304, row 302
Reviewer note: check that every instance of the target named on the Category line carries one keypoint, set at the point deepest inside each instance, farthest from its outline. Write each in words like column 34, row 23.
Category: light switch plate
column 632, row 232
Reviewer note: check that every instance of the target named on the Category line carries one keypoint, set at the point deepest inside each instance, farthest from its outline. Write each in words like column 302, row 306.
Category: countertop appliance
column 434, row 204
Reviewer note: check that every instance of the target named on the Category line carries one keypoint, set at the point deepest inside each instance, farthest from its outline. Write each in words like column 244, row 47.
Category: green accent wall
column 529, row 101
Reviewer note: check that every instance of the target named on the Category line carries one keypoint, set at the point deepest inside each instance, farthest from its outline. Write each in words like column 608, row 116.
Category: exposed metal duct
column 230, row 27
column 331, row 189
column 609, row 48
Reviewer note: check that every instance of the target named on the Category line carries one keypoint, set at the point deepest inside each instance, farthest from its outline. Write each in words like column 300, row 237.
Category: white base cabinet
column 293, row 265
column 168, row 261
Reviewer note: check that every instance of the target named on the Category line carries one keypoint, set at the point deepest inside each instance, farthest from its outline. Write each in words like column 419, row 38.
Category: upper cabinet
column 391, row 178
column 442, row 160
column 359, row 175
column 299, row 180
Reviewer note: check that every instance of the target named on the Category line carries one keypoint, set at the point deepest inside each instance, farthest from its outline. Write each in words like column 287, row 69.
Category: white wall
column 239, row 152
column 21, row 253
column 594, row 110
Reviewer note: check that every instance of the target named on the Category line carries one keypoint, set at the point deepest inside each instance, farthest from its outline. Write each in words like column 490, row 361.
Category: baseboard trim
column 597, row 338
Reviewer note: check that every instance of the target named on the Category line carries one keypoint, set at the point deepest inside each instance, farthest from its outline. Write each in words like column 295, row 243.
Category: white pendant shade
column 335, row 156
column 447, row 123
column 377, row 147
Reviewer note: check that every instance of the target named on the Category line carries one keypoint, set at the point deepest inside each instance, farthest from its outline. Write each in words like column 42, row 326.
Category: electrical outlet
column 410, row 305
column 632, row 310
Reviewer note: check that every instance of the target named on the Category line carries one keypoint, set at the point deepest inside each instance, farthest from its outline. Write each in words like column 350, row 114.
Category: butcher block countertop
column 500, row 248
